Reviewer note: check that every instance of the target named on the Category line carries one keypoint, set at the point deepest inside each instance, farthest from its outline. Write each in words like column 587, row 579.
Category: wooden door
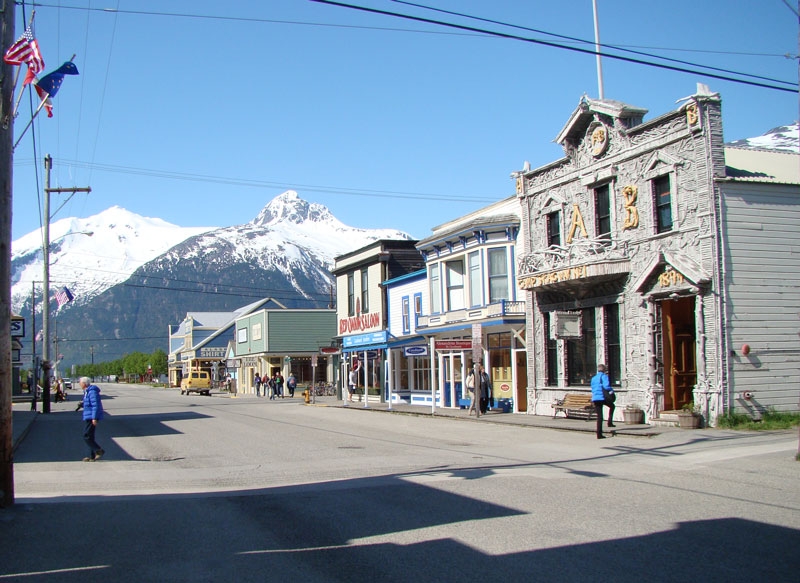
column 680, row 351
column 522, row 380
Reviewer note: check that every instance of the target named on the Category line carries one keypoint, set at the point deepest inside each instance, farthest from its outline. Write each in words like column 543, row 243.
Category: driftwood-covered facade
column 628, row 259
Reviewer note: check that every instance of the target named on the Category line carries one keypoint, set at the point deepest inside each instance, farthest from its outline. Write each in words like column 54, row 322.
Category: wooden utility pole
column 6, row 165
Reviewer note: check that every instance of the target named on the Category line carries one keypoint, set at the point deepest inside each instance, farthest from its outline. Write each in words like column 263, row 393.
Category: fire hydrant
column 307, row 396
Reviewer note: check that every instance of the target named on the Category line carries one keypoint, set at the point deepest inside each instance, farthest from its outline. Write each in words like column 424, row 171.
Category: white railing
column 496, row 310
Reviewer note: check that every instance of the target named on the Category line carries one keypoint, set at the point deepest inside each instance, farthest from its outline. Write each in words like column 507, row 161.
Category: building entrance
column 678, row 347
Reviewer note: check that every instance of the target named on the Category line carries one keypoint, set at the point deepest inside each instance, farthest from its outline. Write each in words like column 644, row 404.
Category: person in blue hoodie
column 92, row 414
column 602, row 394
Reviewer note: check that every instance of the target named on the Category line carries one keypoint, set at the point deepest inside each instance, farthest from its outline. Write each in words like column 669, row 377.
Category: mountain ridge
column 286, row 251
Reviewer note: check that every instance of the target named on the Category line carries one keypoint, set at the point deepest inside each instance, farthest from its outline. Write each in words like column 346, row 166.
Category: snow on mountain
column 290, row 235
column 783, row 138
column 311, row 226
column 120, row 242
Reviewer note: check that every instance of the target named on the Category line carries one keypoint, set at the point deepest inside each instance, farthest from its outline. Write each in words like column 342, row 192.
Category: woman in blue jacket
column 92, row 413
column 602, row 394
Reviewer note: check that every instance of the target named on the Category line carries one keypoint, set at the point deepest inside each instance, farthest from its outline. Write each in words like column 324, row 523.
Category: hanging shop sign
column 415, row 351
column 454, row 344
column 212, row 352
column 359, row 323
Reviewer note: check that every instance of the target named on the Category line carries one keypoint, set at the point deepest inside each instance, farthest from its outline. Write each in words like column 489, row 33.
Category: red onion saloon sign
column 359, row 323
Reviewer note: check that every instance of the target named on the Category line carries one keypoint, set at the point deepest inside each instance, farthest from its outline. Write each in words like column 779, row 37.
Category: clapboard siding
column 761, row 243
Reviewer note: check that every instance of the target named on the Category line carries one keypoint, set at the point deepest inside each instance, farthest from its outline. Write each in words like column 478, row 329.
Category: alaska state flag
column 51, row 82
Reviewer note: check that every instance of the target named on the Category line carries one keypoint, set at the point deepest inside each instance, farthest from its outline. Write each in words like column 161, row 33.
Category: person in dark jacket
column 602, row 394
column 484, row 389
column 92, row 414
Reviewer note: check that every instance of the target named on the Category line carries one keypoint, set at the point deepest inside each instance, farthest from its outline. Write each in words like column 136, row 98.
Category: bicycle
column 323, row 389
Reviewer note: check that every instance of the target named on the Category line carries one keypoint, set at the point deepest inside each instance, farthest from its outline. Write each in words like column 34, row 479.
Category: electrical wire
column 509, row 36
column 588, row 42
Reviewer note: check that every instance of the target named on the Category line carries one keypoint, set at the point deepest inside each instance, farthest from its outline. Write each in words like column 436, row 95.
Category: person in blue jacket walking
column 92, row 414
column 602, row 394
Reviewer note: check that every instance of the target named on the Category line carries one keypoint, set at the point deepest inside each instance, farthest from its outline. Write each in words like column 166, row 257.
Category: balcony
column 583, row 260
column 499, row 309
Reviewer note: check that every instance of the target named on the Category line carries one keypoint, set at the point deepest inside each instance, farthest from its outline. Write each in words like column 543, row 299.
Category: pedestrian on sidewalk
column 602, row 395
column 92, row 414
column 469, row 382
column 485, row 385
column 291, row 384
column 352, row 381
column 257, row 383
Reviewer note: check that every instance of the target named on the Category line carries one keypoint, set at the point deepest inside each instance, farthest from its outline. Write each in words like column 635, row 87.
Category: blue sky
column 201, row 119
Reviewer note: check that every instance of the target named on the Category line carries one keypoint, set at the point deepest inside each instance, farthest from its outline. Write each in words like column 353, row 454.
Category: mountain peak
column 288, row 206
column 782, row 138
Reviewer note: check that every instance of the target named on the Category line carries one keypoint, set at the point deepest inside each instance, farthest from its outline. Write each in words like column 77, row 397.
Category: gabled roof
column 586, row 110
column 222, row 321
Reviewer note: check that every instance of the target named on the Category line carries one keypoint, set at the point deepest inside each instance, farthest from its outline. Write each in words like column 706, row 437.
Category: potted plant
column 633, row 415
column 689, row 416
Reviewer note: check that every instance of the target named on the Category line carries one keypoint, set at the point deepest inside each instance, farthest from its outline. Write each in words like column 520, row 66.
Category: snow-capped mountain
column 783, row 138
column 134, row 277
column 91, row 255
column 288, row 233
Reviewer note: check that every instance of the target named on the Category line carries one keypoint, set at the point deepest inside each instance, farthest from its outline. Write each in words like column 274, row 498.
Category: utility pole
column 6, row 166
column 48, row 165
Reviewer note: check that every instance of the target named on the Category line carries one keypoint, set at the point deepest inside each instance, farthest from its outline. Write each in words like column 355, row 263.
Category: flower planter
column 633, row 416
column 689, row 421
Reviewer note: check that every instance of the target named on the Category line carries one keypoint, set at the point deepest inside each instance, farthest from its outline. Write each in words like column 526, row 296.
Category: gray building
column 653, row 248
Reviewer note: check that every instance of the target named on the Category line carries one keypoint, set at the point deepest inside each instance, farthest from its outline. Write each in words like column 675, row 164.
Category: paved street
column 197, row 488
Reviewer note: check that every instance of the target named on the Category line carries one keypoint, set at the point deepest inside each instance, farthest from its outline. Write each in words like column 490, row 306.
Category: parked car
column 196, row 381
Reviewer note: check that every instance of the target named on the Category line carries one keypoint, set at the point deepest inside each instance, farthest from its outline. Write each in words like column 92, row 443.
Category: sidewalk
column 22, row 419
column 519, row 419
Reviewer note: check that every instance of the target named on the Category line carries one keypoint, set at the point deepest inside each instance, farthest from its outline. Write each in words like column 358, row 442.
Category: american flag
column 25, row 50
column 64, row 296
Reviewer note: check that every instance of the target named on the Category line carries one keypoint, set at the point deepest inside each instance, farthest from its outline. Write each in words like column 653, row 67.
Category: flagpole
column 38, row 109
column 16, row 76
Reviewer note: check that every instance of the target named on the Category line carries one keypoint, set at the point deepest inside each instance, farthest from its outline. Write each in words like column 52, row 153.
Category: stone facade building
column 628, row 258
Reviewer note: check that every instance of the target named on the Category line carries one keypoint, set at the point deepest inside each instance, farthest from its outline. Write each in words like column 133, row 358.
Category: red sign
column 453, row 344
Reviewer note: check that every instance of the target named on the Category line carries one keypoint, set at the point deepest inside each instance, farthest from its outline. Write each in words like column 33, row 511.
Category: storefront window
column 364, row 291
column 613, row 347
column 351, row 295
column 663, row 198
column 582, row 353
column 436, row 289
column 554, row 229
column 552, row 353
column 498, row 275
column 421, row 372
column 602, row 210
column 475, row 280
column 455, row 285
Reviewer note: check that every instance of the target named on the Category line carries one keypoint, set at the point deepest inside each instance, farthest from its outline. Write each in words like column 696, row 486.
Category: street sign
column 477, row 343
column 17, row 327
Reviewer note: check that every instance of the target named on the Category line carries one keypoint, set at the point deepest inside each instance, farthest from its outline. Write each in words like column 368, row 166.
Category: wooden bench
column 575, row 404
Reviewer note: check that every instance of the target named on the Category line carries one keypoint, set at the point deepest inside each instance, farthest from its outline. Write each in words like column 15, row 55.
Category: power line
column 251, row 183
column 554, row 45
column 584, row 41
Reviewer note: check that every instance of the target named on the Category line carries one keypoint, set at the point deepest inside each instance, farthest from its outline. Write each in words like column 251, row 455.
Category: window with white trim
column 498, row 274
